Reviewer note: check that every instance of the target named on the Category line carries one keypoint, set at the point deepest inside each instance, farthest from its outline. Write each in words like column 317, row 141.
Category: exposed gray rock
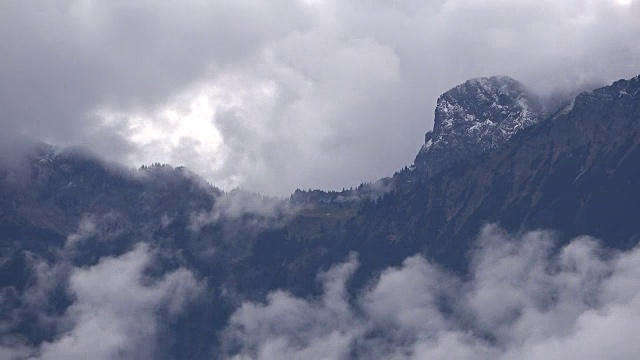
column 476, row 116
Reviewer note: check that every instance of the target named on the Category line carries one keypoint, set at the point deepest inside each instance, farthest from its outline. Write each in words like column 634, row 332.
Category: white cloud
column 522, row 300
column 117, row 310
column 290, row 328
column 276, row 95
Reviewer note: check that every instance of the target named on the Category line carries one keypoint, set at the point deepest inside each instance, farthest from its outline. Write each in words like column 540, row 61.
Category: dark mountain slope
column 576, row 173
column 51, row 191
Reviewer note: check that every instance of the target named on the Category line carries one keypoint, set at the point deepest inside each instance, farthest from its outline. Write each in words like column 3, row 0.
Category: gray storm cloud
column 276, row 95
column 523, row 300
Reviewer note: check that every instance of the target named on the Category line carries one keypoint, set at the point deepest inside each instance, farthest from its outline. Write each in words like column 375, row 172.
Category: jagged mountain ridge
column 476, row 116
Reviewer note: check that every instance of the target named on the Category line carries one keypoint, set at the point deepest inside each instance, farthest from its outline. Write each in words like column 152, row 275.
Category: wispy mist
column 117, row 310
column 524, row 299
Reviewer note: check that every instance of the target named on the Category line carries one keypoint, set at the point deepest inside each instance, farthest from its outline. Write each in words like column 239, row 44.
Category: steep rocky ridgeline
column 576, row 173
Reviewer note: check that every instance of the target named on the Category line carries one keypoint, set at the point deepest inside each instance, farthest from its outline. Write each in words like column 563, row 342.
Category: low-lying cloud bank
column 118, row 311
column 522, row 300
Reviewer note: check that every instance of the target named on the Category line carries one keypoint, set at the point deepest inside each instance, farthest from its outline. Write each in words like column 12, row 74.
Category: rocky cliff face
column 576, row 173
column 476, row 116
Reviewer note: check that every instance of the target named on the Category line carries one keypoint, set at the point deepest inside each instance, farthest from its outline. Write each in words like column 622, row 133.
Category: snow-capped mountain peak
column 476, row 116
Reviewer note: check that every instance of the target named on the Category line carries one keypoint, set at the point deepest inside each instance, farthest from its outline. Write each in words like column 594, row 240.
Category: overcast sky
column 280, row 94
